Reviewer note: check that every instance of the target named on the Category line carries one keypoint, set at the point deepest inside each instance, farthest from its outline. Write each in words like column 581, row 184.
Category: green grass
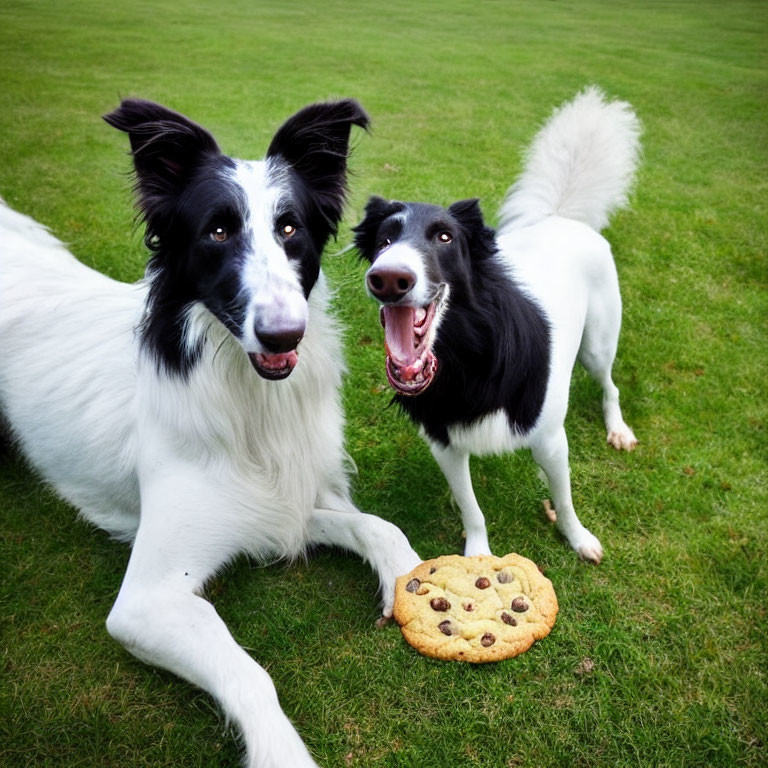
column 674, row 619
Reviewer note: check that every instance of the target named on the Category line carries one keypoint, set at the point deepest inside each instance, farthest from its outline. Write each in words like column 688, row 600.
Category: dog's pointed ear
column 315, row 143
column 376, row 210
column 481, row 239
column 468, row 213
column 166, row 147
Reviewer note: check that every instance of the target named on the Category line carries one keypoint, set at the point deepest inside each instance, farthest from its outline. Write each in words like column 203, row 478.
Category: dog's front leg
column 455, row 466
column 338, row 523
column 551, row 454
column 186, row 533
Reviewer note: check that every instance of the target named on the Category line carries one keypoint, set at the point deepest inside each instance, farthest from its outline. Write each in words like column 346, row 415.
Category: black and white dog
column 155, row 408
column 482, row 330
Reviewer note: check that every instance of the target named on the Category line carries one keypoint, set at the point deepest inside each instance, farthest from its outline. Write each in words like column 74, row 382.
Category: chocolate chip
column 432, row 569
column 483, row 583
column 413, row 585
column 468, row 606
column 509, row 619
column 519, row 605
column 445, row 627
column 504, row 577
column 439, row 604
column 487, row 640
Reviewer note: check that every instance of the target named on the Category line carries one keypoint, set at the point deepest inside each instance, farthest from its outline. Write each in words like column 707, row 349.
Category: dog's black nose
column 284, row 340
column 390, row 283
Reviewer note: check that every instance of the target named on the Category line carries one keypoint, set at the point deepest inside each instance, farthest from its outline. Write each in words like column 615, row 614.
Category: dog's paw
column 622, row 439
column 589, row 548
column 476, row 542
column 477, row 547
column 389, row 572
column 549, row 511
column 387, row 604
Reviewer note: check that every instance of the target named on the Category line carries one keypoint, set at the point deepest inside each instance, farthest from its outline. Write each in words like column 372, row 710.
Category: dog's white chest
column 266, row 449
column 489, row 435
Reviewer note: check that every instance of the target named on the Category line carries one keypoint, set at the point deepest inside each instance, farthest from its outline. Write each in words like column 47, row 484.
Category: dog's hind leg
column 187, row 533
column 338, row 523
column 455, row 466
column 551, row 454
column 598, row 352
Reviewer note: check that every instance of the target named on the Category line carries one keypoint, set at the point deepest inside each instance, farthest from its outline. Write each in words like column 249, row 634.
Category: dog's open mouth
column 274, row 367
column 408, row 336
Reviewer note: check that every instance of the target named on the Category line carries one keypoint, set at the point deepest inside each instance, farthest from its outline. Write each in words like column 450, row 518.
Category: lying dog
column 156, row 409
column 482, row 331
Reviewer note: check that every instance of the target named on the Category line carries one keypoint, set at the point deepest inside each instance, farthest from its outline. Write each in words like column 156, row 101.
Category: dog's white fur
column 578, row 171
column 193, row 471
column 579, row 166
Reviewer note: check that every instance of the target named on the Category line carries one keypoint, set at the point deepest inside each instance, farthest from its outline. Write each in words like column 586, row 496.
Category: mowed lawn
column 660, row 654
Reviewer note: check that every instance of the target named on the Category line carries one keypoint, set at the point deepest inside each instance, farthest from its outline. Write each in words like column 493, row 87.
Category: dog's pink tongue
column 398, row 334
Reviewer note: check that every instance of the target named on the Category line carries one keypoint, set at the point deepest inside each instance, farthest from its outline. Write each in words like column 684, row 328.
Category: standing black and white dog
column 155, row 408
column 482, row 330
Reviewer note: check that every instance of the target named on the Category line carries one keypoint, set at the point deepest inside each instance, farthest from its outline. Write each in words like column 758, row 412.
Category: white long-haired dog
column 482, row 330
column 159, row 409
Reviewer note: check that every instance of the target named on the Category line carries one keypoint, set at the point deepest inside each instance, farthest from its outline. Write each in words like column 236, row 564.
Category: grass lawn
column 660, row 655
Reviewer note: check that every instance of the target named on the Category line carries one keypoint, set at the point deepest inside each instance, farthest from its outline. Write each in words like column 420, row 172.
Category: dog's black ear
column 377, row 209
column 315, row 143
column 468, row 213
column 481, row 239
column 166, row 147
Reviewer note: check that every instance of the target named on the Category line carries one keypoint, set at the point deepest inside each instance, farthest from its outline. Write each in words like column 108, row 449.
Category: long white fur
column 579, row 169
column 193, row 472
column 580, row 166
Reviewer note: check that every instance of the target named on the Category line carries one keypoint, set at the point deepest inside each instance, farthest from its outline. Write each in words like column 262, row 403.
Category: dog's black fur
column 492, row 343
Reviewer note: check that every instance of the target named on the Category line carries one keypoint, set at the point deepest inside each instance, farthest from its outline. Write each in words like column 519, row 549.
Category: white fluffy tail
column 580, row 165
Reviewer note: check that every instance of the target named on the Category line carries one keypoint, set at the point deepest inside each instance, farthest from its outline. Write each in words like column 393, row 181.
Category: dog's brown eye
column 219, row 234
column 287, row 230
column 384, row 243
column 444, row 237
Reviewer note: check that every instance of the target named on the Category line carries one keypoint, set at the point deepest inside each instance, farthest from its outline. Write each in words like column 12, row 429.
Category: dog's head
column 421, row 261
column 242, row 238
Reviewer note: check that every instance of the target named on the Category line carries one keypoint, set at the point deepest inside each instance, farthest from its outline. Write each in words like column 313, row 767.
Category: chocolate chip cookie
column 476, row 609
